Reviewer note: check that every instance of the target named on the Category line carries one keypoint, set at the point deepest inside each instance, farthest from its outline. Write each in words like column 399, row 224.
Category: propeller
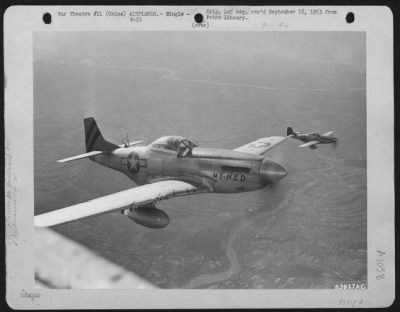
column 335, row 144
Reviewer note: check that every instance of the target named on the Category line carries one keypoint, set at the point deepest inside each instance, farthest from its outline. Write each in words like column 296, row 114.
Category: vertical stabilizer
column 290, row 131
column 94, row 139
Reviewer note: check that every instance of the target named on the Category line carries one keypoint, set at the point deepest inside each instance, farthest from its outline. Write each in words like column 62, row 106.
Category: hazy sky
column 207, row 49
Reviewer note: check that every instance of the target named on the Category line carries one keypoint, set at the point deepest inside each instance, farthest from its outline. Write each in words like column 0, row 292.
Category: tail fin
column 93, row 138
column 290, row 131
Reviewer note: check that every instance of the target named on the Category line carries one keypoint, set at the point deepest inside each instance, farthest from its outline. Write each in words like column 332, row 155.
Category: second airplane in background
column 312, row 139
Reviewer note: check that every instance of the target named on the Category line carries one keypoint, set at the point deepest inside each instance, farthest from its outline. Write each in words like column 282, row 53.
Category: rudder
column 94, row 140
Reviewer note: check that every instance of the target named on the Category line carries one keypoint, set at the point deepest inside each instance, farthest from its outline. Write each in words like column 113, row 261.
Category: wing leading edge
column 136, row 197
column 262, row 145
column 308, row 144
column 329, row 133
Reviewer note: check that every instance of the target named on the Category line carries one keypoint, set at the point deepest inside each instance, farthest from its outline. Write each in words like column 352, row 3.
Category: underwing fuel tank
column 149, row 216
column 272, row 171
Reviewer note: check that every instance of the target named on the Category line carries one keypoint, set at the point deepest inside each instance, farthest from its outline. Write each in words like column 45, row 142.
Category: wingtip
column 64, row 160
column 38, row 221
column 42, row 221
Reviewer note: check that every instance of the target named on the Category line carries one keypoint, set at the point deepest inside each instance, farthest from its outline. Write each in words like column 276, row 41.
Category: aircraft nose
column 272, row 171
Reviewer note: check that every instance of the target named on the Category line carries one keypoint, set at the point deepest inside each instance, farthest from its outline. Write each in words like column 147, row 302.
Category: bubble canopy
column 173, row 143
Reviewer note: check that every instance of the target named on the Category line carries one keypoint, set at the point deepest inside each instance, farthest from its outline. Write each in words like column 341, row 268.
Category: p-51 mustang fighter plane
column 312, row 139
column 171, row 166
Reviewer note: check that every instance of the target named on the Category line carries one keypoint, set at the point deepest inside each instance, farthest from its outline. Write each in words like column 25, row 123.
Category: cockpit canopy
column 175, row 143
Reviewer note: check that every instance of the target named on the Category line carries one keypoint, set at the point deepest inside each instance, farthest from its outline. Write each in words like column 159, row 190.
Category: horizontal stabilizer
column 131, row 144
column 86, row 155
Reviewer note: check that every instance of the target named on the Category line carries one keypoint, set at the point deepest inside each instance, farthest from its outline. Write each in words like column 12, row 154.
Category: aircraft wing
column 262, row 145
column 137, row 196
column 329, row 133
column 308, row 144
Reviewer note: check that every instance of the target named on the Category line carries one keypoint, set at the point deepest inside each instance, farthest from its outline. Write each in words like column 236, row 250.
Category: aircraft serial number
column 229, row 176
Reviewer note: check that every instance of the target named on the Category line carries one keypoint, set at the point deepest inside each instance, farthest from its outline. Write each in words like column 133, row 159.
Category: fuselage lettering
column 227, row 176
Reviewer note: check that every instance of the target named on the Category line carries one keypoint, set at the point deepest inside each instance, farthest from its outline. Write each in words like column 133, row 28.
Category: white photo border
column 19, row 24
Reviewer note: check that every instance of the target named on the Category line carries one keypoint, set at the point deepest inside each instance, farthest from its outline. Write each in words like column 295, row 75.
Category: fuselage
column 321, row 139
column 211, row 170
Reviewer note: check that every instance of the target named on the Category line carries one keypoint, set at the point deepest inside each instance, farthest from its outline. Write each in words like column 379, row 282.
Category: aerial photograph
column 203, row 159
